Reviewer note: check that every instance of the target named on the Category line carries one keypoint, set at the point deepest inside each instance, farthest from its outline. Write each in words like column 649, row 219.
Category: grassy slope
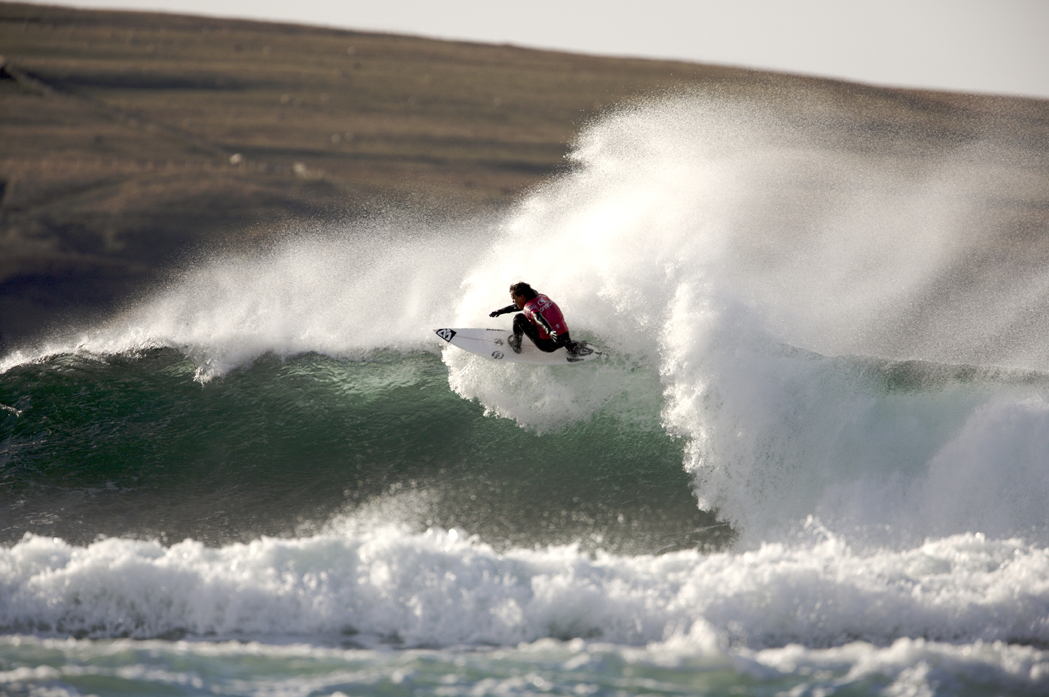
column 128, row 139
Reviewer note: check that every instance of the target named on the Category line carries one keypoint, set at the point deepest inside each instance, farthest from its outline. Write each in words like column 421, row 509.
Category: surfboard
column 492, row 343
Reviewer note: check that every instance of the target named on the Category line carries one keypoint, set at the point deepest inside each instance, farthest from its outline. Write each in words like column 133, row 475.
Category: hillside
column 131, row 140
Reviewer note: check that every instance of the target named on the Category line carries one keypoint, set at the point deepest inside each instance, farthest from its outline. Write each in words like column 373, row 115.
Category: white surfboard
column 492, row 343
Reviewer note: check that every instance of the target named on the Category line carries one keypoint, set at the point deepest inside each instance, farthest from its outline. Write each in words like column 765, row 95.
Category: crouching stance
column 541, row 320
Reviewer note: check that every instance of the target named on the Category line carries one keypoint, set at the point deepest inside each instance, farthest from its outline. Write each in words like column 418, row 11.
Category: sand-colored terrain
column 131, row 140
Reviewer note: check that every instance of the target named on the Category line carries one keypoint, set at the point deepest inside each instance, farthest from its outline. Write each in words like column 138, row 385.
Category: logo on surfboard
column 446, row 334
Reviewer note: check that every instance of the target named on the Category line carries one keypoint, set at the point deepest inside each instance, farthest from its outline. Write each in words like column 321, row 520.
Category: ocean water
column 815, row 460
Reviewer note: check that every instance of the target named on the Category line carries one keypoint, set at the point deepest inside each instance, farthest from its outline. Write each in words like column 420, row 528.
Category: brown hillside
column 129, row 139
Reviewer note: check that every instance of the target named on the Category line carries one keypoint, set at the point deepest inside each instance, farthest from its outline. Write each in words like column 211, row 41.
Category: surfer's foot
column 576, row 350
column 515, row 343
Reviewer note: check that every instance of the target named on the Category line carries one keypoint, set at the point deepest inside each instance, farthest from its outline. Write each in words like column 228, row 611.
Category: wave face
column 131, row 445
column 823, row 422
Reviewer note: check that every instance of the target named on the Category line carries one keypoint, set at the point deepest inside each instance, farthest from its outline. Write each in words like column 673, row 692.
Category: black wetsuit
column 523, row 326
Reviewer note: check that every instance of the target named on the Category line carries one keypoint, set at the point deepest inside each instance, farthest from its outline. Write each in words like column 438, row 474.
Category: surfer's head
column 521, row 293
column 522, row 288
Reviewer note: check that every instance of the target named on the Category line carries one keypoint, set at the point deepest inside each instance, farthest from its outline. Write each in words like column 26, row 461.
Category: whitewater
column 814, row 461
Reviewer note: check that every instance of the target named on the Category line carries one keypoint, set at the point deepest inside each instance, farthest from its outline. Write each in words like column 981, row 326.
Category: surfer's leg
column 523, row 326
column 576, row 349
column 546, row 345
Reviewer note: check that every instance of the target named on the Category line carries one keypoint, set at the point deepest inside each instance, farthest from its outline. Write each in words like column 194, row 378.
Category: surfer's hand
column 553, row 335
column 493, row 313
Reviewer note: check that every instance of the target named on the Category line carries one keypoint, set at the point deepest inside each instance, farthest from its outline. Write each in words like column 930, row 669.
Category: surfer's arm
column 504, row 310
column 541, row 321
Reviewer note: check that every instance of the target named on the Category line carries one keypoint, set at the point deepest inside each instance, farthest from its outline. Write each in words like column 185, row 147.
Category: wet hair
column 522, row 288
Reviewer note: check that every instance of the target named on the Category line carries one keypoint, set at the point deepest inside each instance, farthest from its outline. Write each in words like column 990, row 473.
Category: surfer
column 541, row 321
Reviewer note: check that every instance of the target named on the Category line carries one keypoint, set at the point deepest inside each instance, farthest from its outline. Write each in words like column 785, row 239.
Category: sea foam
column 441, row 588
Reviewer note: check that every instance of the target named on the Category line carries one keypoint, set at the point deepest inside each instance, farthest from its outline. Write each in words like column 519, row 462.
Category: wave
column 786, row 319
column 131, row 445
column 682, row 665
column 890, row 451
column 443, row 589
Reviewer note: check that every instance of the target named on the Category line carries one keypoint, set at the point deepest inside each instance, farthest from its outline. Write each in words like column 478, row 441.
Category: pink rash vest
column 549, row 311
